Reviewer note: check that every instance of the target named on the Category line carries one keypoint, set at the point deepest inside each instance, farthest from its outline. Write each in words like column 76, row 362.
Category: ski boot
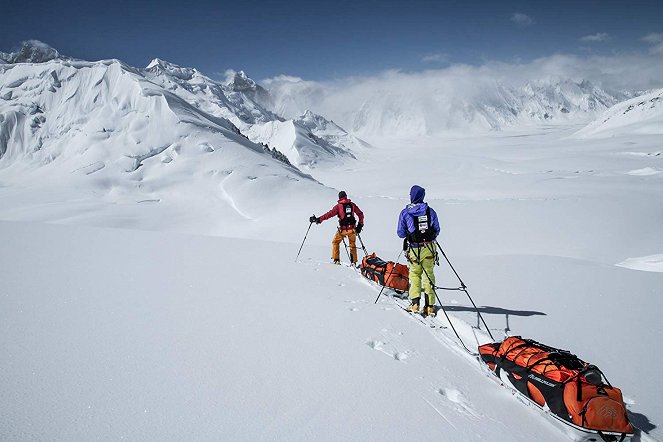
column 430, row 310
column 414, row 306
column 337, row 262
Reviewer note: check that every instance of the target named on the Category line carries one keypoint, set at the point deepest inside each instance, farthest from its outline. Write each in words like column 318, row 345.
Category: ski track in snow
column 438, row 411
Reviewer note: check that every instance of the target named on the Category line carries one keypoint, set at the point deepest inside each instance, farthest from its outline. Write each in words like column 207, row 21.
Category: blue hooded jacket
column 417, row 207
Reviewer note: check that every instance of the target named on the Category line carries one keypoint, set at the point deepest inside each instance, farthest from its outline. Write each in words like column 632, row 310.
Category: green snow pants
column 422, row 260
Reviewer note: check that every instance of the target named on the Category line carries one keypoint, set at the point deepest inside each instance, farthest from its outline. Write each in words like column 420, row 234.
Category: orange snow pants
column 336, row 243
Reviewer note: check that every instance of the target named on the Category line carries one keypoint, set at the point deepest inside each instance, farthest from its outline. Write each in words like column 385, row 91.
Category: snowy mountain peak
column 312, row 121
column 239, row 81
column 159, row 66
column 31, row 51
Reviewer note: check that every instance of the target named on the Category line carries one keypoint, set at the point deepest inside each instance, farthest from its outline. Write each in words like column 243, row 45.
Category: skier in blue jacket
column 419, row 225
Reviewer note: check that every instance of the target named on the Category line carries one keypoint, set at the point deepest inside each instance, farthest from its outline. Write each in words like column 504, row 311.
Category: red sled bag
column 575, row 392
column 386, row 273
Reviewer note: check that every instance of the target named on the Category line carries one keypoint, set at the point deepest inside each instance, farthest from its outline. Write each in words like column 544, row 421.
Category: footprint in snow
column 354, row 309
column 452, row 394
column 396, row 355
column 456, row 397
column 375, row 345
column 387, row 331
column 355, row 301
column 401, row 356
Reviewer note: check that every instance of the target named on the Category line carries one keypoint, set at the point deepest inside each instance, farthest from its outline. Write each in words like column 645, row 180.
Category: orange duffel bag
column 386, row 273
column 575, row 392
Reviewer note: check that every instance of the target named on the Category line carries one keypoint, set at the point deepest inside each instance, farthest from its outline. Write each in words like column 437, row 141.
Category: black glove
column 314, row 219
column 359, row 227
column 405, row 245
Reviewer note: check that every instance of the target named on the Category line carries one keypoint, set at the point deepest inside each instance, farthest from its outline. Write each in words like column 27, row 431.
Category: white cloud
column 414, row 102
column 654, row 37
column 656, row 41
column 435, row 58
column 521, row 19
column 595, row 38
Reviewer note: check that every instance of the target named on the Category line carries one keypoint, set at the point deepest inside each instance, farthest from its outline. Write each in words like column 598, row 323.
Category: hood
column 417, row 209
column 344, row 200
column 417, row 194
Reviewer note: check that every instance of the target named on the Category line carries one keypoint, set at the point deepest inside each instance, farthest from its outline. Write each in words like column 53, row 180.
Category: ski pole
column 388, row 276
column 362, row 245
column 463, row 288
column 430, row 281
column 344, row 244
column 300, row 248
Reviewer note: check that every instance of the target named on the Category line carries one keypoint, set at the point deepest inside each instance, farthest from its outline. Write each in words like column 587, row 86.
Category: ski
column 421, row 318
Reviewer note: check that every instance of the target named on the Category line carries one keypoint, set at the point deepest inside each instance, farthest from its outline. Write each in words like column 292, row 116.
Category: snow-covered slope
column 309, row 140
column 400, row 105
column 642, row 115
column 239, row 100
column 229, row 101
column 102, row 136
column 306, row 141
column 144, row 336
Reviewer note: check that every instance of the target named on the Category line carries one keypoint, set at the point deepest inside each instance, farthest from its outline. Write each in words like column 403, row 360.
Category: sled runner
column 386, row 273
column 571, row 390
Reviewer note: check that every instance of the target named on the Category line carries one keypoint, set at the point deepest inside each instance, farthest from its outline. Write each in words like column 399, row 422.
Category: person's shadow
column 487, row 310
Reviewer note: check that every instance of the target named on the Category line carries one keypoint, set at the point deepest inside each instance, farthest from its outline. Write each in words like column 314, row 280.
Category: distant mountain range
column 47, row 98
column 239, row 104
column 397, row 108
column 307, row 140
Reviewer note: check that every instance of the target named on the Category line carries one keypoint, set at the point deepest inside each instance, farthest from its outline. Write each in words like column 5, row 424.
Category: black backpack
column 348, row 219
column 423, row 229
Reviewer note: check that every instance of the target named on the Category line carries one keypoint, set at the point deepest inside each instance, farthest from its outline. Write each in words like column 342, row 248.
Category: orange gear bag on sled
column 571, row 390
column 386, row 273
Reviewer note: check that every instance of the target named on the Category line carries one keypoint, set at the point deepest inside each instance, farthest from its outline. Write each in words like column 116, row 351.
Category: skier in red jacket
column 347, row 225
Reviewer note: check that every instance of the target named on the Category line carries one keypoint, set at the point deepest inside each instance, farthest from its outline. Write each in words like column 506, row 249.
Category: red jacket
column 337, row 210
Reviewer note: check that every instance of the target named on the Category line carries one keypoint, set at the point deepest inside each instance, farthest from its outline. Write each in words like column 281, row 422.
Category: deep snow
column 165, row 336
column 193, row 321
column 114, row 334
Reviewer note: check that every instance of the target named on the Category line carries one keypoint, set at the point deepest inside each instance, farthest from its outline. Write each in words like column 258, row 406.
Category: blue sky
column 331, row 39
